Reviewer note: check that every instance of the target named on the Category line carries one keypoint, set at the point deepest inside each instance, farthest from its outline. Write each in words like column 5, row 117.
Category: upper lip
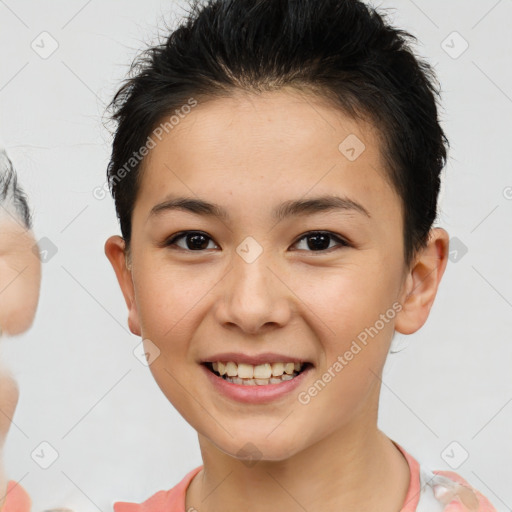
column 267, row 357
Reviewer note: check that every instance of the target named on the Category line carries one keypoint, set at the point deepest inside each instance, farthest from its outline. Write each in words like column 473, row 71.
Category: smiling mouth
column 259, row 375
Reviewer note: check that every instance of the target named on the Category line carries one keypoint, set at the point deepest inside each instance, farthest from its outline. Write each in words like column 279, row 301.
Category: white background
column 82, row 389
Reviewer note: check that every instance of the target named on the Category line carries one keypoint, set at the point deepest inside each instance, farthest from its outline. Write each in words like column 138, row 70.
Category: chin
column 254, row 448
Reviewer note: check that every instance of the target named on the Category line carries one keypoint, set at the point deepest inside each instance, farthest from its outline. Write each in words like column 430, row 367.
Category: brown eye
column 319, row 241
column 194, row 241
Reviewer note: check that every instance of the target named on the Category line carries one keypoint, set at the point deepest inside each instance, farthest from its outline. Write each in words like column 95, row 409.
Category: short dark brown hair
column 343, row 50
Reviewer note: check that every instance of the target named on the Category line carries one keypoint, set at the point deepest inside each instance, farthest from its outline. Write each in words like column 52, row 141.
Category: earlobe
column 422, row 282
column 115, row 252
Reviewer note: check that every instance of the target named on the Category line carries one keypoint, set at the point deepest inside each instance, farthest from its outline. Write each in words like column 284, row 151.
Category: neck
column 365, row 472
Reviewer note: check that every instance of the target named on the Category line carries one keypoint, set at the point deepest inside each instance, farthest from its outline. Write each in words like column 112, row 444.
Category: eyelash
column 342, row 242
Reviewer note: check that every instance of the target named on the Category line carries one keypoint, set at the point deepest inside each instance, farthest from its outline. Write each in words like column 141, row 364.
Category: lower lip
column 255, row 394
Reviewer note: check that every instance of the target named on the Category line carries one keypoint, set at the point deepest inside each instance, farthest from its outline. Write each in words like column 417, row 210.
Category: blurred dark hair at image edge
column 13, row 201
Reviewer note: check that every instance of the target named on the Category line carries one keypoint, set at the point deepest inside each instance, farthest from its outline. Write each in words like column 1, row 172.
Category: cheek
column 351, row 311
column 349, row 299
column 20, row 280
column 166, row 299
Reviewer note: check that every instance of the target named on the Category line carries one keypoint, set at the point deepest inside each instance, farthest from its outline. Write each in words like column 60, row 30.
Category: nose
column 254, row 297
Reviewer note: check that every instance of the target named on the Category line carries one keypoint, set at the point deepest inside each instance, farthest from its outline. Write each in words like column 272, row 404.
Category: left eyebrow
column 318, row 204
column 282, row 211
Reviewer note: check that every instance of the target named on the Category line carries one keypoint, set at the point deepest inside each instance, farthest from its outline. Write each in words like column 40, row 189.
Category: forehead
column 260, row 147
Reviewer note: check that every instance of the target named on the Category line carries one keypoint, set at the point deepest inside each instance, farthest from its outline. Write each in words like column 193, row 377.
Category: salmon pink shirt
column 429, row 491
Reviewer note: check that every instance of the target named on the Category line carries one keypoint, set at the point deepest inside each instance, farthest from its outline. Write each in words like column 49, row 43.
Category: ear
column 422, row 281
column 20, row 277
column 115, row 252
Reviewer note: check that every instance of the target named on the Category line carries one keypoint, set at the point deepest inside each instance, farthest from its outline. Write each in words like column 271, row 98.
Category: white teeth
column 245, row 371
column 263, row 371
column 261, row 374
column 260, row 371
column 231, row 369
column 288, row 368
column 260, row 382
column 277, row 369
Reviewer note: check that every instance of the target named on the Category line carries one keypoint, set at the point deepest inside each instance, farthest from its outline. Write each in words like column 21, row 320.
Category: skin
column 20, row 281
column 248, row 154
column 20, row 277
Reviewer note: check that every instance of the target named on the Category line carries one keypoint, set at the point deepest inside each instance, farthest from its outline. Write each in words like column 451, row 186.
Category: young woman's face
column 259, row 282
